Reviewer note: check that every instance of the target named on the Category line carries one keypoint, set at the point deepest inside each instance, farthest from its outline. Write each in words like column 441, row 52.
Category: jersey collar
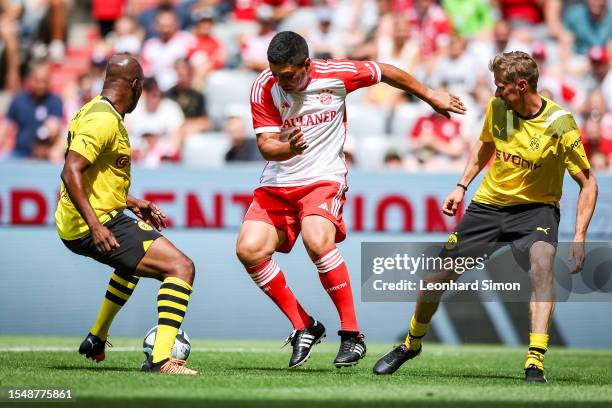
column 105, row 99
column 535, row 115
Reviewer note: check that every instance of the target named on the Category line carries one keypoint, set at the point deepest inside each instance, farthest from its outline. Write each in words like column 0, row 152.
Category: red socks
column 336, row 282
column 268, row 276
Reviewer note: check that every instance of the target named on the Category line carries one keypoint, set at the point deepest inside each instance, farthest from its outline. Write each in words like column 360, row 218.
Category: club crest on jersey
column 325, row 97
column 452, row 241
column 144, row 226
column 534, row 144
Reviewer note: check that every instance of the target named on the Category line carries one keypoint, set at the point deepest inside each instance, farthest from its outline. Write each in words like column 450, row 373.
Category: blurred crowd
column 200, row 57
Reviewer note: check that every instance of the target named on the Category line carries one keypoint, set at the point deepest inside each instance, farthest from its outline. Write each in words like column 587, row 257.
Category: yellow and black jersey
column 97, row 133
column 531, row 154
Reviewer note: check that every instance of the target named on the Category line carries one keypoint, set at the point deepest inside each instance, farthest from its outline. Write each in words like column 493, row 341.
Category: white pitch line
column 130, row 348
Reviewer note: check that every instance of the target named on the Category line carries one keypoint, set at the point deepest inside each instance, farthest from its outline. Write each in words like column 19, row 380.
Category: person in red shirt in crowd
column 208, row 53
column 431, row 25
column 246, row 10
column 437, row 143
column 106, row 12
column 525, row 11
column 531, row 13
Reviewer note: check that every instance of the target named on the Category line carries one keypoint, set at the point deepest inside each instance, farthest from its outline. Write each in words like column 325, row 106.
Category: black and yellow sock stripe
column 415, row 334
column 538, row 345
column 172, row 301
column 120, row 287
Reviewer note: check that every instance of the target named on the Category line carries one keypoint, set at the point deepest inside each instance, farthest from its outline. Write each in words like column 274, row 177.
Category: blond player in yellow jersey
column 90, row 219
column 532, row 141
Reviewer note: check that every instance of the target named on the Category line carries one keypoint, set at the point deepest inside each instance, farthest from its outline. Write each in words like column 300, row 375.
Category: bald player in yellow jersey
column 90, row 220
column 532, row 141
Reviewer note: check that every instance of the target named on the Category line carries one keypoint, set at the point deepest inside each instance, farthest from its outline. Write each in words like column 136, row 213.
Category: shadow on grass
column 518, row 378
column 93, row 369
column 289, row 371
column 208, row 403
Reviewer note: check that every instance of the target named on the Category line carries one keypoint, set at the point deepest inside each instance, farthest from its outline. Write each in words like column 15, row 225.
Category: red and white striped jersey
column 319, row 110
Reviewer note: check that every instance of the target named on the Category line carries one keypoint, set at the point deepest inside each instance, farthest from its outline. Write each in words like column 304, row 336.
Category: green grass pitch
column 255, row 374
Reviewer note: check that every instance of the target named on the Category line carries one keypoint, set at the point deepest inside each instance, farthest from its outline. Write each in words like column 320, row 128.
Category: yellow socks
column 118, row 291
column 538, row 344
column 172, row 300
column 415, row 334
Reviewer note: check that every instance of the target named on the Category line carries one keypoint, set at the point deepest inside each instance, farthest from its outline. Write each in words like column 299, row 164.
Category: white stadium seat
column 364, row 120
column 205, row 149
column 224, row 88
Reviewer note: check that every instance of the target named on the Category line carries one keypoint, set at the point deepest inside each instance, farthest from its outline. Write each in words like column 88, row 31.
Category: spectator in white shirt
column 160, row 53
column 155, row 126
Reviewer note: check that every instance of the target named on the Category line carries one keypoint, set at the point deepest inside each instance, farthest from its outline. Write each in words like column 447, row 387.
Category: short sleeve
column 266, row 117
column 574, row 155
column 357, row 74
column 94, row 135
column 485, row 134
column 13, row 111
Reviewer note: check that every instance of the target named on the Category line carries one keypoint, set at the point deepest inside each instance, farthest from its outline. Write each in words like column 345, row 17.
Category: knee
column 251, row 251
column 317, row 246
column 541, row 266
column 184, row 269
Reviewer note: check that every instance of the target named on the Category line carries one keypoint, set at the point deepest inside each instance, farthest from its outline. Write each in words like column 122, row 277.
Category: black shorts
column 486, row 227
column 134, row 237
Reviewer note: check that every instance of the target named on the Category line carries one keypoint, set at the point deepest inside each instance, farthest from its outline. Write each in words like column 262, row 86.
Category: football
column 180, row 350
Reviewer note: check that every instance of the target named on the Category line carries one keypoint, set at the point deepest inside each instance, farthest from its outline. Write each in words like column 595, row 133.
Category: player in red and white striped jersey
column 299, row 116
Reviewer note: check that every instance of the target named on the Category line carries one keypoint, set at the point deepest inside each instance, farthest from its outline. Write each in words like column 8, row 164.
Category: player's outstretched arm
column 442, row 102
column 72, row 176
column 586, row 206
column 479, row 157
column 273, row 149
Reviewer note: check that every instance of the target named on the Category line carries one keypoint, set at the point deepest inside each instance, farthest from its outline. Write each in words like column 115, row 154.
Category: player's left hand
column 150, row 213
column 444, row 103
column 576, row 253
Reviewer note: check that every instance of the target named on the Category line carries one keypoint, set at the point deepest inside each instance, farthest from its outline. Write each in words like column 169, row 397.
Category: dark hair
column 287, row 47
column 150, row 84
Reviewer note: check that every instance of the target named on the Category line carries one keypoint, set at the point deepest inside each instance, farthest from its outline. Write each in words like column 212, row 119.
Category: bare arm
column 586, row 206
column 442, row 102
column 72, row 176
column 273, row 149
column 479, row 157
column 7, row 127
column 586, row 202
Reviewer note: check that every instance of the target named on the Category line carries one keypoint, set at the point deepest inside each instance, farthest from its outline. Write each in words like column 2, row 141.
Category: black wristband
column 463, row 186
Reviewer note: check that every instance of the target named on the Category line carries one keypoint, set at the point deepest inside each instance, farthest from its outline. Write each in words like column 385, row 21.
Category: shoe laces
column 401, row 349
column 290, row 339
column 107, row 343
column 176, row 366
